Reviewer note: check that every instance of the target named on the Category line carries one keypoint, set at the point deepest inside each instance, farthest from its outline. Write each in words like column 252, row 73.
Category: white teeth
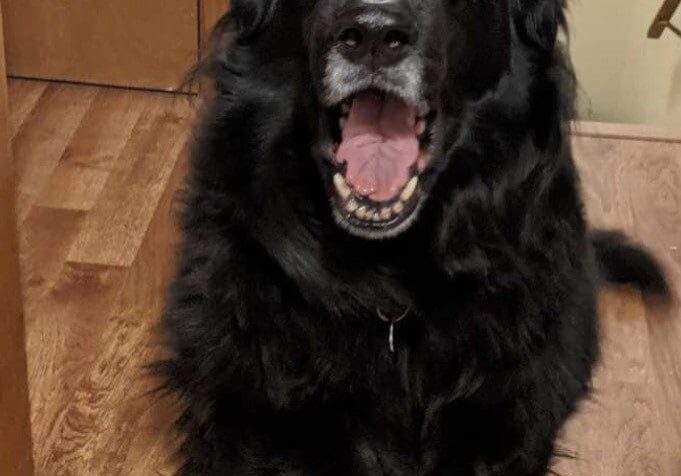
column 342, row 121
column 420, row 127
column 342, row 187
column 409, row 190
column 422, row 162
column 369, row 214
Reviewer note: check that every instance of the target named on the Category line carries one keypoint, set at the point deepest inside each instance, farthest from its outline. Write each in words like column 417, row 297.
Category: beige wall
column 624, row 76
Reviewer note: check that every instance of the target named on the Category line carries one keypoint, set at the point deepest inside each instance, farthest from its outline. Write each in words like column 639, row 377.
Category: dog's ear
column 537, row 21
column 251, row 16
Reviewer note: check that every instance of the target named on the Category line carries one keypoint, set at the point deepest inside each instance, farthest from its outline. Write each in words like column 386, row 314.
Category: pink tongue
column 379, row 145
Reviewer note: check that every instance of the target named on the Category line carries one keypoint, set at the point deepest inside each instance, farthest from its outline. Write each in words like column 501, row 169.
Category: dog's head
column 387, row 85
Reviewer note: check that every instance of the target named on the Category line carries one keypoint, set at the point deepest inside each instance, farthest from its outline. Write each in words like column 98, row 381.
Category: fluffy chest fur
column 294, row 340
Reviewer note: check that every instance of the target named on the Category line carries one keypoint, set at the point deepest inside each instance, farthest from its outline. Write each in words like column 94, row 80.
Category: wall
column 624, row 76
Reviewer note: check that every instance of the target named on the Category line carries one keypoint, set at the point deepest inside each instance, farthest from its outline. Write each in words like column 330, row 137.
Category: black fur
column 277, row 348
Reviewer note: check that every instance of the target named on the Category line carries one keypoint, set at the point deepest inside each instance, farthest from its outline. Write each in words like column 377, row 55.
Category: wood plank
column 46, row 236
column 65, row 329
column 93, row 150
column 665, row 335
column 23, row 96
column 632, row 426
column 623, row 430
column 83, row 361
column 149, row 44
column 115, row 228
column 15, row 431
column 116, row 425
column 40, row 144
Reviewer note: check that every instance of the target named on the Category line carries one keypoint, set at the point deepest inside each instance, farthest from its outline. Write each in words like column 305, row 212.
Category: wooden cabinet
column 146, row 44
column 211, row 11
column 15, row 434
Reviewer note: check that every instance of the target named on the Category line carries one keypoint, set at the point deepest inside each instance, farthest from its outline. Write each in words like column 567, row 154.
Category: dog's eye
column 395, row 38
column 351, row 37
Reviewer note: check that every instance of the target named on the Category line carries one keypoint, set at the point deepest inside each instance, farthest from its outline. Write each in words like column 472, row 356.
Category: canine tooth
column 422, row 162
column 409, row 190
column 342, row 187
column 386, row 213
column 420, row 127
column 342, row 121
column 361, row 213
column 351, row 206
column 398, row 207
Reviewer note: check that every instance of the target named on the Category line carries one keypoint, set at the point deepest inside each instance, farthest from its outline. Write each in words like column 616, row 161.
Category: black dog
column 386, row 267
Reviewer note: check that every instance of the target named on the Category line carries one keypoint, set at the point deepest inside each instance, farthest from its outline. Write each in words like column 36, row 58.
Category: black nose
column 376, row 35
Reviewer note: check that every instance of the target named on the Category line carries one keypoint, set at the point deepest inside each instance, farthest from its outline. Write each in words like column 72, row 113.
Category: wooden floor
column 98, row 169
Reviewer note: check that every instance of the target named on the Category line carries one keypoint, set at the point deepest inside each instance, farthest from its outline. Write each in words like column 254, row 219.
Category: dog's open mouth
column 382, row 145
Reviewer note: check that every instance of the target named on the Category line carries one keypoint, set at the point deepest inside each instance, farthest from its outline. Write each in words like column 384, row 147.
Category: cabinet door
column 15, row 435
column 147, row 44
column 211, row 12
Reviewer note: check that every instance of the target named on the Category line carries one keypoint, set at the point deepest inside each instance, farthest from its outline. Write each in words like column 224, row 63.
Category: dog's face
column 390, row 83
column 389, row 75
column 378, row 69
